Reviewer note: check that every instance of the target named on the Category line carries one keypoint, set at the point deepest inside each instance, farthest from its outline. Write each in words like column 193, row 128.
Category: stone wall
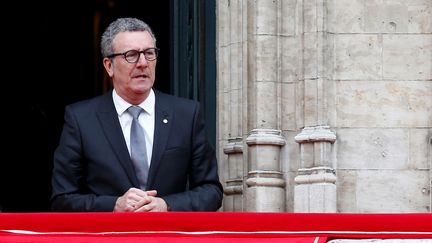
column 325, row 106
column 382, row 52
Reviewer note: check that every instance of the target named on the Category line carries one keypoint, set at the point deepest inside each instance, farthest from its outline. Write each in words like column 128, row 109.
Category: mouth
column 141, row 76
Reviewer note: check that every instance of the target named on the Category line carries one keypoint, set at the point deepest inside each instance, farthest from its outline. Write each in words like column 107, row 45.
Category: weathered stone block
column 358, row 57
column 384, row 104
column 367, row 148
column 407, row 57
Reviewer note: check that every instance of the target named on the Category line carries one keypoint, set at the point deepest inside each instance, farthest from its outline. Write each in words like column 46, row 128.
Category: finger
column 130, row 208
column 134, row 198
column 151, row 193
column 147, row 197
column 135, row 194
column 144, row 201
column 140, row 193
column 155, row 205
column 144, row 208
column 134, row 190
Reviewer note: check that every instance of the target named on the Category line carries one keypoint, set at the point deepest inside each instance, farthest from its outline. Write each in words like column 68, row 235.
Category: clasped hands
column 137, row 200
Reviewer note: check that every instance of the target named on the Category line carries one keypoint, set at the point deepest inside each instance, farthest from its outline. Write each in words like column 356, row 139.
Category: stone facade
column 325, row 106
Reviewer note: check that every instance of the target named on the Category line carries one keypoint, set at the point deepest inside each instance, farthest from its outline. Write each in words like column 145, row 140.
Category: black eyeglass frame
column 124, row 54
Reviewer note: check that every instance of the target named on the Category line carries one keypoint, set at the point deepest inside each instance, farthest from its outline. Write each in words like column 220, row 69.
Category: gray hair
column 122, row 25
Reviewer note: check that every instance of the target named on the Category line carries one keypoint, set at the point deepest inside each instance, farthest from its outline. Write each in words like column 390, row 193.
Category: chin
column 143, row 89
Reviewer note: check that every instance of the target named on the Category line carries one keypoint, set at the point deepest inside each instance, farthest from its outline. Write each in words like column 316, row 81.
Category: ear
column 108, row 66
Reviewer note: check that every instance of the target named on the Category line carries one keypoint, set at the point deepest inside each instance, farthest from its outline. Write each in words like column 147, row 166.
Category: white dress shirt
column 146, row 119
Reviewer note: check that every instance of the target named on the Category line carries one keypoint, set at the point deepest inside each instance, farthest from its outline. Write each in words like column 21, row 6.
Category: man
column 96, row 166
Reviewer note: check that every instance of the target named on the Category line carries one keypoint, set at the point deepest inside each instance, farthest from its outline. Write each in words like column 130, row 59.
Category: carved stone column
column 231, row 100
column 234, row 184
column 315, row 189
column 265, row 182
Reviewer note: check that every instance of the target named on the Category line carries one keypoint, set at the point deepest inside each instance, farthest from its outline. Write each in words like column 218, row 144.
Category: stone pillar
column 265, row 182
column 315, row 189
column 231, row 99
column 234, row 183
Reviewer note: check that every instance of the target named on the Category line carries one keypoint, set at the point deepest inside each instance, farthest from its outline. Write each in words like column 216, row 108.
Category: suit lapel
column 108, row 118
column 163, row 123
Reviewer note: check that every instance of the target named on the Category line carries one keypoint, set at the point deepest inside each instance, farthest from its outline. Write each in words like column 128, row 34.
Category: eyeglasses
column 132, row 56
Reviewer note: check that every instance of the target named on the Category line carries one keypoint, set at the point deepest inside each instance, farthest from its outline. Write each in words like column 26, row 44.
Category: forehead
column 133, row 40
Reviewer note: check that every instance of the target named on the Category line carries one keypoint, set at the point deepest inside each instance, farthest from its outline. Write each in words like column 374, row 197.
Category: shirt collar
column 121, row 105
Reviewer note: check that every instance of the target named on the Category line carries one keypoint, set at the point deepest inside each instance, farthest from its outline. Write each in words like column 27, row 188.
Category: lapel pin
column 165, row 121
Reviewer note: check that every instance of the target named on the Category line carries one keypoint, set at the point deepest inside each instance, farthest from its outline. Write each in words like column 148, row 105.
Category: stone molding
column 315, row 175
column 263, row 136
column 265, row 178
column 233, row 146
column 316, row 134
column 234, row 187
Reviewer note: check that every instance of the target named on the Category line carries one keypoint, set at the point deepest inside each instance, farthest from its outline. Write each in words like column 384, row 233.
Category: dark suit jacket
column 92, row 166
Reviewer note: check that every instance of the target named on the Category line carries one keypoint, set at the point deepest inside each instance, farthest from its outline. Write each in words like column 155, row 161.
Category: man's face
column 132, row 81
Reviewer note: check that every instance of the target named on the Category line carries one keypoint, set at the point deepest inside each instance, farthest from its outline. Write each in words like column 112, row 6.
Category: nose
column 142, row 60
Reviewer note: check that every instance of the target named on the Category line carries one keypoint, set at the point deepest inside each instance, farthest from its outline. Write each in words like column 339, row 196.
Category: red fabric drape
column 209, row 227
